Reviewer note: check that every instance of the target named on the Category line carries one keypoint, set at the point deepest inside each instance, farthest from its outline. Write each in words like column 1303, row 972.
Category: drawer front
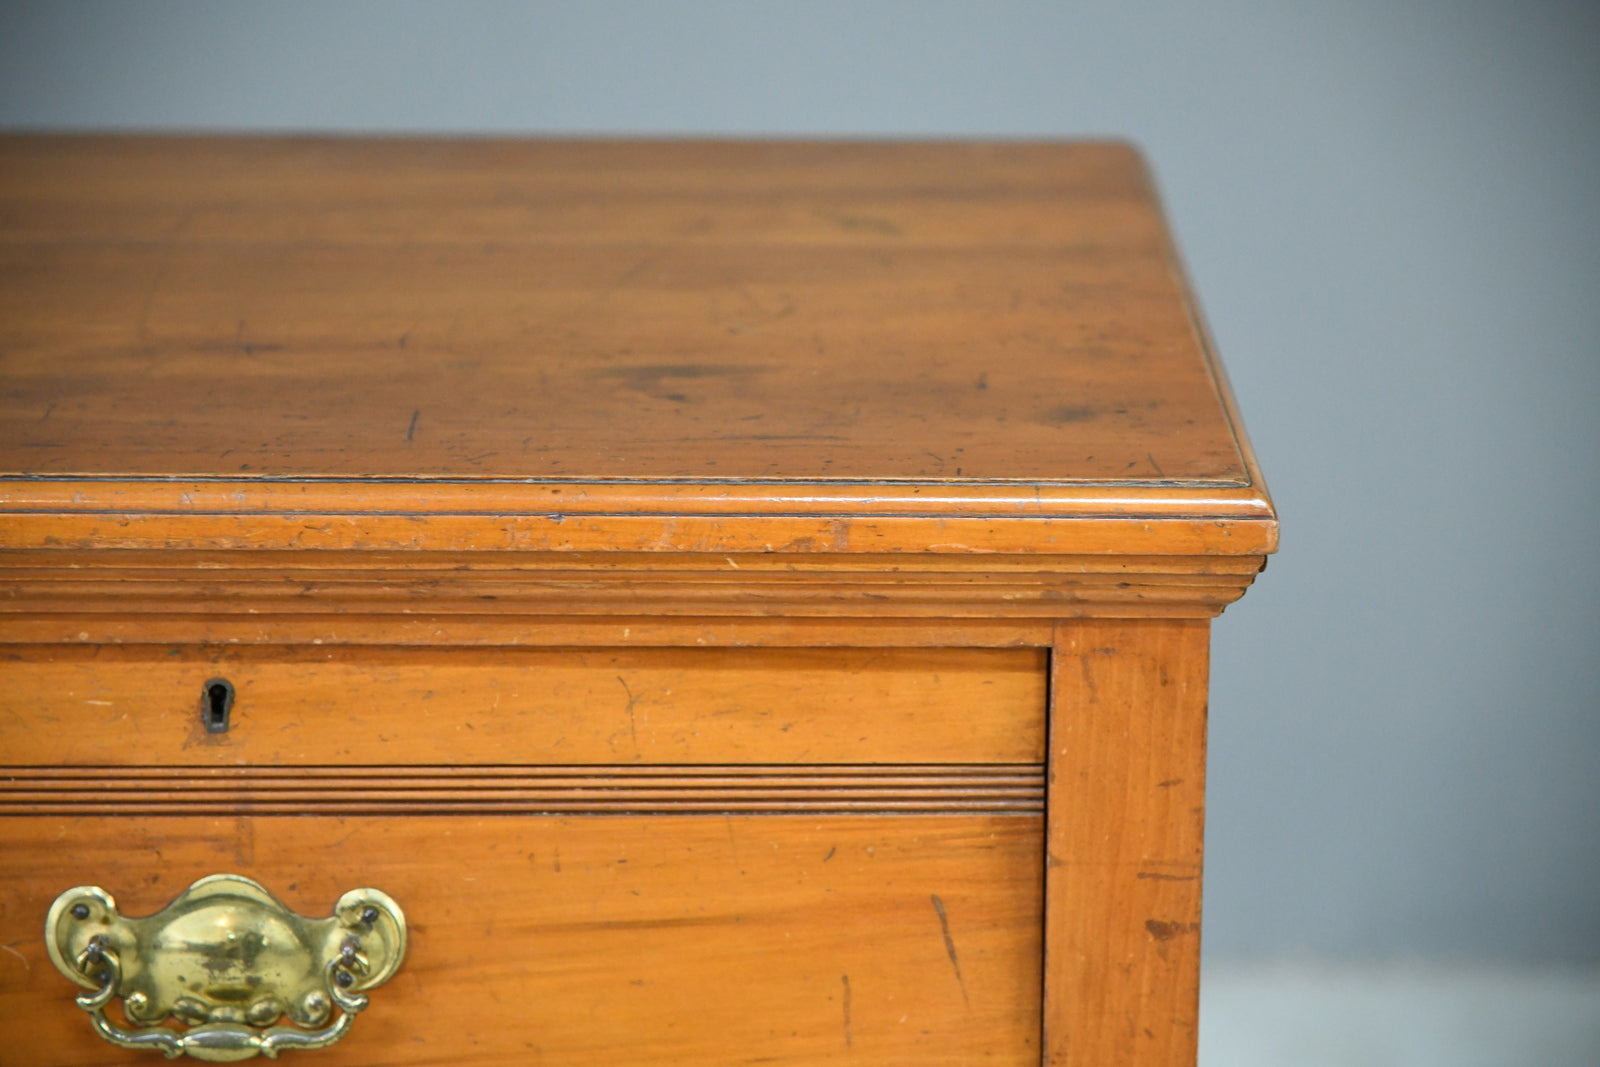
column 124, row 706
column 805, row 940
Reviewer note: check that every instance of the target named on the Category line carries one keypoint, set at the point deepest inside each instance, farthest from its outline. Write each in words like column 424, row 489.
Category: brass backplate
column 230, row 961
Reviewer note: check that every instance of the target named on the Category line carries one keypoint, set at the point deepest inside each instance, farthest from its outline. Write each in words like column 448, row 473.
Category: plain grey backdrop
column 1392, row 214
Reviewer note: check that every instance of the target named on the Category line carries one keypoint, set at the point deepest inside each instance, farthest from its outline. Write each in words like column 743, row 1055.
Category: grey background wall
column 1392, row 213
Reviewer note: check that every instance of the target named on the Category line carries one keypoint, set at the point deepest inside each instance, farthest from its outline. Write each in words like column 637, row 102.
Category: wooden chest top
column 600, row 346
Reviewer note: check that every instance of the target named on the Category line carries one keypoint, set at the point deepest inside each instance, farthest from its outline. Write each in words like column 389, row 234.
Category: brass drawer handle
column 230, row 961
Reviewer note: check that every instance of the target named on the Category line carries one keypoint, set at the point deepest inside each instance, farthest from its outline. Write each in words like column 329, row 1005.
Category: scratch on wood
column 633, row 273
column 411, row 431
column 244, row 842
column 849, row 1038
column 633, row 725
column 950, row 945
column 339, row 843
column 1088, row 680
column 26, row 965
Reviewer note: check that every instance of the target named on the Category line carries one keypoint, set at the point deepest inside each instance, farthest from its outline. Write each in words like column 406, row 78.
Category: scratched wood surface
column 1125, row 816
column 381, row 593
column 598, row 311
column 614, row 345
column 768, row 471
column 600, row 941
column 353, row 706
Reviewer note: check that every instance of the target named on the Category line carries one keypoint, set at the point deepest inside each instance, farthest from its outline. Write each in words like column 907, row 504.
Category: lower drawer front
column 675, row 939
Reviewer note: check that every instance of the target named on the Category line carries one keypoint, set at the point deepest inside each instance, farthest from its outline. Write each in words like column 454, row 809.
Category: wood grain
column 108, row 581
column 570, row 346
column 1125, row 816
column 604, row 941
column 140, row 705
column 810, row 488
column 88, row 630
column 1138, row 533
column 642, row 311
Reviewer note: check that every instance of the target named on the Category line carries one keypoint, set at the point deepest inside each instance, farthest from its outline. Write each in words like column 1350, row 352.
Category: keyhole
column 216, row 704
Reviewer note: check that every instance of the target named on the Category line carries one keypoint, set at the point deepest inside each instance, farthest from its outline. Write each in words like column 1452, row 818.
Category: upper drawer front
column 142, row 706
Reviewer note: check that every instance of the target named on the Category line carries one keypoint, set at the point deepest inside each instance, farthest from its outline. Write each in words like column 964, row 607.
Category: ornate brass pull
column 230, row 961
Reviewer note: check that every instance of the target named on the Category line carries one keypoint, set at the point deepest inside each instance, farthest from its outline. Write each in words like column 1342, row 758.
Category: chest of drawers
column 733, row 602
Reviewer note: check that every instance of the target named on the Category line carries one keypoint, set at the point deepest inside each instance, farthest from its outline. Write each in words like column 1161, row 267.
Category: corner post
column 1126, row 799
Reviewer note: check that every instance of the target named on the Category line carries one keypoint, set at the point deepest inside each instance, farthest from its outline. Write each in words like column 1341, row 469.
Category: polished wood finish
column 353, row 706
column 598, row 941
column 610, row 312
column 747, row 601
column 570, row 346
column 1127, row 788
column 431, row 631
column 384, row 586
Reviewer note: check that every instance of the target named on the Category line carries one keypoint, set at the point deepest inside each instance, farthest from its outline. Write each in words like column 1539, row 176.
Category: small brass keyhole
column 216, row 705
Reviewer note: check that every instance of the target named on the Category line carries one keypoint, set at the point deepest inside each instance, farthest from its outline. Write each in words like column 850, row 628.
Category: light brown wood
column 26, row 527
column 430, row 631
column 574, row 941
column 680, row 572
column 1125, row 815
column 213, row 584
column 568, row 346
column 140, row 706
